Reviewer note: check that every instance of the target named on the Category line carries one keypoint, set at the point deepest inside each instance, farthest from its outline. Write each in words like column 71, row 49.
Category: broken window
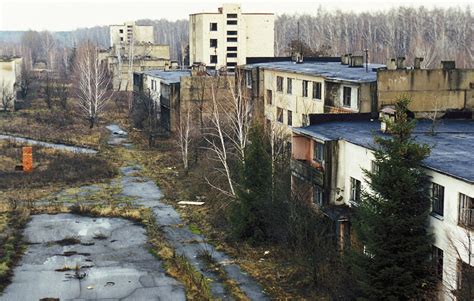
column 121, row 30
column 466, row 211
column 290, row 118
column 279, row 84
column 437, row 260
column 213, row 26
column 280, row 115
column 213, row 59
column 317, row 195
column 316, row 90
column 305, row 88
column 289, row 85
column 213, row 43
column 318, row 152
column 437, row 196
column 269, row 97
column 346, row 96
column 355, row 191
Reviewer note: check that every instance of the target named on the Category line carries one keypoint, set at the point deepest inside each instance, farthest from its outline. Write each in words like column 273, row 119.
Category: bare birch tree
column 7, row 96
column 185, row 134
column 92, row 84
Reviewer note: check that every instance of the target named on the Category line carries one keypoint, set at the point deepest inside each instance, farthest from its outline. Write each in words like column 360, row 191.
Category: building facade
column 10, row 80
column 228, row 37
column 328, row 163
column 289, row 92
column 129, row 33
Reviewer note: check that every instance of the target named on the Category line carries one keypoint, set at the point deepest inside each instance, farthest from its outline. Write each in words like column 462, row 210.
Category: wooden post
column 27, row 159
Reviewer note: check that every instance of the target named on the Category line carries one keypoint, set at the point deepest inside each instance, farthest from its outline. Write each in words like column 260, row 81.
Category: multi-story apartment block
column 228, row 37
column 133, row 49
column 10, row 77
column 129, row 32
column 179, row 90
column 291, row 91
column 431, row 90
column 328, row 163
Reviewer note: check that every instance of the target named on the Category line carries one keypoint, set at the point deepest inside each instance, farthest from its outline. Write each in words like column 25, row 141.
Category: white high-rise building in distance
column 129, row 32
column 226, row 38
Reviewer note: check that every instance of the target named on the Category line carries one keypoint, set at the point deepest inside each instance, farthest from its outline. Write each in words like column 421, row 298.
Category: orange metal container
column 27, row 158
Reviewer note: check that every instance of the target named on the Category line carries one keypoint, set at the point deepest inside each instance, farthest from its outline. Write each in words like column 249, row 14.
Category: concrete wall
column 10, row 71
column 429, row 89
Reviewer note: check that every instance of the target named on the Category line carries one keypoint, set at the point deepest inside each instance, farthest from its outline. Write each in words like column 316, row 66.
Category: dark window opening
column 213, row 59
column 289, row 85
column 231, row 22
column 317, row 90
column 231, row 15
column 437, row 195
column 213, row 43
column 466, row 211
column 231, row 54
column 346, row 96
column 231, row 39
column 232, row 32
column 437, row 259
column 269, row 97
column 213, row 26
column 318, row 151
column 290, row 118
column 305, row 88
column 355, row 190
column 280, row 115
column 279, row 84
column 232, row 48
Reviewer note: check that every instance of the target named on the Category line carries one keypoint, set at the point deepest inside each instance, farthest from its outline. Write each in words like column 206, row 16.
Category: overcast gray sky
column 70, row 14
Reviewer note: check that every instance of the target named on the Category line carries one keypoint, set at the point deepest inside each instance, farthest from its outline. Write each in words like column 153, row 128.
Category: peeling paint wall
column 429, row 89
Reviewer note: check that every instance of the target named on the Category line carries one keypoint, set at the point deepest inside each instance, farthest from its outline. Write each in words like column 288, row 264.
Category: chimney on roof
column 391, row 64
column 386, row 114
column 297, row 57
column 401, row 62
column 357, row 61
column 448, row 65
column 345, row 59
column 417, row 63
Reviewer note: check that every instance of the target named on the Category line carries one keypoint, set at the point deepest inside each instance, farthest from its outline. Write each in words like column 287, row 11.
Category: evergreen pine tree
column 391, row 221
column 254, row 193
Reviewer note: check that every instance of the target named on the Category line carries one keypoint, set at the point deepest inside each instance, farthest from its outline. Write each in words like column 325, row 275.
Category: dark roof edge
column 257, row 60
column 323, row 118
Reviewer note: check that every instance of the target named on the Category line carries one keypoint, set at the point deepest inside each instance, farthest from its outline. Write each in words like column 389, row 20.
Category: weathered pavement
column 117, row 265
column 111, row 254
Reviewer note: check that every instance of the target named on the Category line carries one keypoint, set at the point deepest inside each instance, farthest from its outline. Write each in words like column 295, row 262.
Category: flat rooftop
column 452, row 148
column 168, row 77
column 329, row 70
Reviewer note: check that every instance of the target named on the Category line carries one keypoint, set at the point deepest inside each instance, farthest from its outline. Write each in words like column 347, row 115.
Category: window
column 466, row 211
column 231, row 15
column 318, row 151
column 317, row 195
column 121, row 30
column 346, row 96
column 305, row 88
column 213, row 59
column 269, row 97
column 231, row 39
column 121, row 39
column 317, row 90
column 279, row 84
column 248, row 78
column 280, row 115
column 437, row 195
column 231, row 64
column 213, row 27
column 231, row 22
column 231, row 48
column 437, row 259
column 289, row 85
column 153, row 85
column 374, row 167
column 231, row 54
column 355, row 191
column 290, row 118
column 465, row 273
column 304, row 120
column 213, row 43
column 232, row 32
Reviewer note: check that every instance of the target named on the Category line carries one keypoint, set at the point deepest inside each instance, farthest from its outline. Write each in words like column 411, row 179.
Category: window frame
column 289, row 86
column 318, row 195
column 213, row 26
column 437, row 199
column 269, row 96
column 279, row 115
column 437, row 258
column 289, row 118
column 317, row 93
column 466, row 211
column 279, row 80
column 356, row 189
column 344, row 89
column 305, row 88
column 211, row 43
column 211, row 57
column 318, row 152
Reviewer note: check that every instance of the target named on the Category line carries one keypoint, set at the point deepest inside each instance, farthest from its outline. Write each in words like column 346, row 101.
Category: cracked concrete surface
column 117, row 266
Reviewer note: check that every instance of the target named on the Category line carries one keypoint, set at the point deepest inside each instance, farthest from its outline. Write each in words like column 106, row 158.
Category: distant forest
column 435, row 34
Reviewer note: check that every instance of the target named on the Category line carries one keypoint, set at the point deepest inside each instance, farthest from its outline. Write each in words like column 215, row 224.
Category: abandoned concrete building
column 176, row 91
column 227, row 37
column 10, row 81
column 132, row 48
column 431, row 90
column 289, row 91
column 328, row 159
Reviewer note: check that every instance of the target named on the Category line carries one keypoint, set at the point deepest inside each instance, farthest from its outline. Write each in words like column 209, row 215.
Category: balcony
column 304, row 170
